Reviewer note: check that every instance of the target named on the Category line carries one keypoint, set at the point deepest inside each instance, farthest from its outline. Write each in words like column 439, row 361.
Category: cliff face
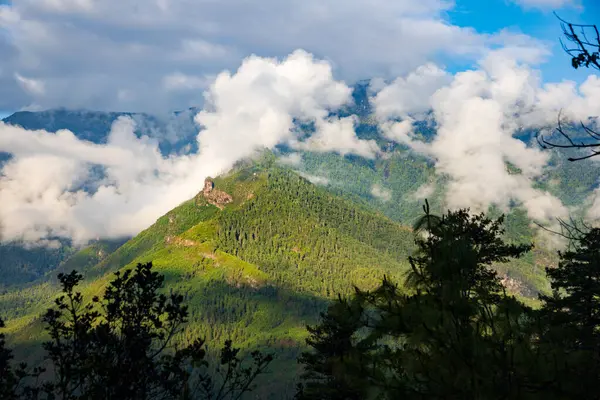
column 214, row 196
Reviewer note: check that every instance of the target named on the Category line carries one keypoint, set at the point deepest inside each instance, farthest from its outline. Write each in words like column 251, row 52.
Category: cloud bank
column 41, row 186
column 477, row 112
column 56, row 185
column 158, row 55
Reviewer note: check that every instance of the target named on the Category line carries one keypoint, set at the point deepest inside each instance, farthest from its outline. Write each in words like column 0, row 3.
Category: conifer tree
column 453, row 332
column 122, row 346
column 570, row 320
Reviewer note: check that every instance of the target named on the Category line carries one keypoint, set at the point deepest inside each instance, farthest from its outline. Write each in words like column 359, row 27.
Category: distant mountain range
column 173, row 132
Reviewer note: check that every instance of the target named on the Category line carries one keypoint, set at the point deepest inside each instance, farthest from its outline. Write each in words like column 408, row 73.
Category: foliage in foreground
column 122, row 347
column 454, row 333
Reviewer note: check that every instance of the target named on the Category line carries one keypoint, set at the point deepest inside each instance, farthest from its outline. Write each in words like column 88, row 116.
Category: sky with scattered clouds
column 255, row 68
column 155, row 55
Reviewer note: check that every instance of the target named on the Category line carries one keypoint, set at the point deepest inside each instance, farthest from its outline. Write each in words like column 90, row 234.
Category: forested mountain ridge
column 395, row 185
column 256, row 271
column 258, row 256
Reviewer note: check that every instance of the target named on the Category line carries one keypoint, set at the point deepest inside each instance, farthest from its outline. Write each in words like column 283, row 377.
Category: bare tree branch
column 586, row 53
column 572, row 230
column 570, row 142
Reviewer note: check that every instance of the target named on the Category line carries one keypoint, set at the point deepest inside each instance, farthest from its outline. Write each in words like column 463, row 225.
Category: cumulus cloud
column 575, row 103
column 410, row 95
column 42, row 187
column 338, row 135
column 261, row 101
column 477, row 114
column 89, row 54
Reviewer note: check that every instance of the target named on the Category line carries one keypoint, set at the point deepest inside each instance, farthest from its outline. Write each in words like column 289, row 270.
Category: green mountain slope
column 256, row 269
column 387, row 184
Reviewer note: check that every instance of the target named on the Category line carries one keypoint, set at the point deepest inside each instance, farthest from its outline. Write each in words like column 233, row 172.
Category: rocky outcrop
column 177, row 241
column 214, row 196
column 516, row 286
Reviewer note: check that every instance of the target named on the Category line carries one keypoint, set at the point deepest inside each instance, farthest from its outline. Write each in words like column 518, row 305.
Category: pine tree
column 454, row 332
column 571, row 318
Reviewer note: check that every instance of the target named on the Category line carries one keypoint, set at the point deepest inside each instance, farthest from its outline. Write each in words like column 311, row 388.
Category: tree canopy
column 122, row 346
column 452, row 332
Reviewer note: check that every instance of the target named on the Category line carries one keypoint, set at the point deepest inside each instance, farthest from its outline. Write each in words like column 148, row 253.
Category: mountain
column 174, row 132
column 257, row 253
column 387, row 184
column 260, row 251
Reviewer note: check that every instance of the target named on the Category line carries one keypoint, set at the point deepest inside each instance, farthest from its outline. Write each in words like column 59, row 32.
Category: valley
column 260, row 251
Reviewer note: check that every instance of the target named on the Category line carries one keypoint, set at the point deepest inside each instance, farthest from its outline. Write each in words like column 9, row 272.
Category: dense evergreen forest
column 449, row 330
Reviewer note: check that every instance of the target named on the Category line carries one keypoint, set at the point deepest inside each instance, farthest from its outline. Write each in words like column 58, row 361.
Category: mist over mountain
column 395, row 182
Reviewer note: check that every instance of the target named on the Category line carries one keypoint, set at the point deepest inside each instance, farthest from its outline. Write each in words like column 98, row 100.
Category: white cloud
column 546, row 4
column 476, row 116
column 86, row 52
column 338, row 135
column 410, row 95
column 574, row 103
column 381, row 193
column 259, row 103
column 41, row 186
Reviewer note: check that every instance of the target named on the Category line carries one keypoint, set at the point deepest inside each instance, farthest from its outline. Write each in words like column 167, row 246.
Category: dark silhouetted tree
column 123, row 346
column 9, row 378
column 452, row 333
column 15, row 380
column 335, row 369
column 571, row 318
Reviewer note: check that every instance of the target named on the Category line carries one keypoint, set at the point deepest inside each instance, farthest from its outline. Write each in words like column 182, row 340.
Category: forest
column 449, row 329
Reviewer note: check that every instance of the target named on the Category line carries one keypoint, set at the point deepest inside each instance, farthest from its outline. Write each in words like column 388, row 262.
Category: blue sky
column 118, row 55
column 490, row 16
